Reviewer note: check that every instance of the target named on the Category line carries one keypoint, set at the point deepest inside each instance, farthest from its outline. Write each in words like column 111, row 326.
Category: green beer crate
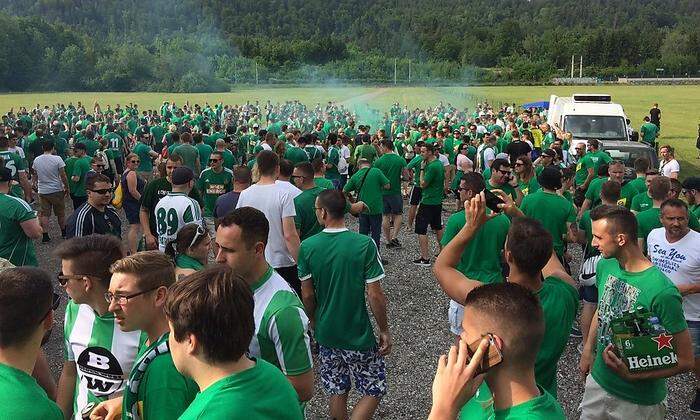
column 642, row 342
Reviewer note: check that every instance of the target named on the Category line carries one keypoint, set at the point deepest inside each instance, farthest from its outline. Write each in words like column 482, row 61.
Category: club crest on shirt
column 101, row 371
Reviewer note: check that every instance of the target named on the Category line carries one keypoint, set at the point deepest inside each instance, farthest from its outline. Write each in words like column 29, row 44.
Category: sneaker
column 422, row 262
column 695, row 405
column 45, row 237
column 396, row 243
column 576, row 333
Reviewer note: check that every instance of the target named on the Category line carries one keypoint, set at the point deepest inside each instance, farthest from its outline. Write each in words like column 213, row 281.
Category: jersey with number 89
column 173, row 212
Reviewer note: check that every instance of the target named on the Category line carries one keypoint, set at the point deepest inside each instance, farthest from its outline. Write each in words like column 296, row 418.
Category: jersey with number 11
column 173, row 212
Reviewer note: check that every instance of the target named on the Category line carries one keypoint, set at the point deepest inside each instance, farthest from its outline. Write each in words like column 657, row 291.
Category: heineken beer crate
column 642, row 342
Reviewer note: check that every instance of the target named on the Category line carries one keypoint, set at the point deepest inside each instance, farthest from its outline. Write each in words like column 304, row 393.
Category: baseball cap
column 256, row 126
column 503, row 156
column 692, row 183
column 400, row 135
column 550, row 178
column 5, row 174
column 182, row 175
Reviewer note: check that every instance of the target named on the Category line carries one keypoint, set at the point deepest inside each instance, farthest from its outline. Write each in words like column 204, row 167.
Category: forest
column 210, row 45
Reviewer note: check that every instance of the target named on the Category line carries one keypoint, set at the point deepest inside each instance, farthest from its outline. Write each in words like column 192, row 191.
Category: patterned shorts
column 367, row 368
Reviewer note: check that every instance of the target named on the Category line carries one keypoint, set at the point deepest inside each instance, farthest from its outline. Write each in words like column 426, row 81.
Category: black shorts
column 579, row 197
column 393, row 204
column 416, row 195
column 588, row 294
column 428, row 214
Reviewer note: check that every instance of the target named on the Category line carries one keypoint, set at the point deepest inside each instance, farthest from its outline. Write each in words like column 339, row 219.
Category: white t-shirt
column 345, row 154
column 680, row 261
column 47, row 168
column 443, row 158
column 464, row 163
column 666, row 169
column 293, row 190
column 277, row 203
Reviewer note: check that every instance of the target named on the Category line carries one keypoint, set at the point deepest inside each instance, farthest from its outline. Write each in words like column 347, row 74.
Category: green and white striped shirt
column 102, row 352
column 281, row 326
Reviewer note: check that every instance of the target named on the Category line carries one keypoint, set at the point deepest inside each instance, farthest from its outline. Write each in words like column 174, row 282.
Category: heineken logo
column 663, row 341
column 637, row 362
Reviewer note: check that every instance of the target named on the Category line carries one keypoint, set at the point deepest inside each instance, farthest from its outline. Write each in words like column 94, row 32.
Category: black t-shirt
column 516, row 149
column 655, row 114
column 87, row 220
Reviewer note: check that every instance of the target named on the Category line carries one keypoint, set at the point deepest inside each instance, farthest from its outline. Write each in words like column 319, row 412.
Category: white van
column 588, row 116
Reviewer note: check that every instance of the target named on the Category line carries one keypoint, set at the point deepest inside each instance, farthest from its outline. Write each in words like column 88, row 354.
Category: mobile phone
column 492, row 201
column 492, row 358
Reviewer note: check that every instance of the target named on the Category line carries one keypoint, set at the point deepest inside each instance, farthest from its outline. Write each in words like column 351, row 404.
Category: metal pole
column 409, row 71
column 580, row 68
column 572, row 66
column 256, row 73
column 395, row 62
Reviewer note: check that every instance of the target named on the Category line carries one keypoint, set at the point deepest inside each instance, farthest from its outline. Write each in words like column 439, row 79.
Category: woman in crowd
column 189, row 250
column 525, row 174
column 132, row 188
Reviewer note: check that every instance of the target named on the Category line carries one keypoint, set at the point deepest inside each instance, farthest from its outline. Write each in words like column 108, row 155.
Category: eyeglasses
column 519, row 164
column 200, row 232
column 64, row 278
column 135, row 161
column 123, row 299
column 504, row 172
column 55, row 301
column 103, row 191
column 100, row 166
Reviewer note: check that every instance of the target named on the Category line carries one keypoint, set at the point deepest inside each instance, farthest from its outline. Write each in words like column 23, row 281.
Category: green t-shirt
column 543, row 407
column 639, row 184
column 91, row 146
column 648, row 132
column 260, row 392
column 530, row 186
column 295, row 155
column 186, row 262
column 434, row 179
column 621, row 291
column 641, row 202
column 77, row 167
column 414, row 165
column 340, row 263
column 189, row 155
column 116, row 143
column 22, row 398
column 161, row 391
column 144, row 153
column 213, row 185
column 553, row 211
column 559, row 302
column 370, row 192
column 481, row 259
column 627, row 192
column 333, row 159
column 14, row 163
column 305, row 220
column 590, row 160
column 365, row 151
column 392, row 166
column 695, row 209
column 15, row 245
column 324, row 183
column 204, row 153
column 586, row 224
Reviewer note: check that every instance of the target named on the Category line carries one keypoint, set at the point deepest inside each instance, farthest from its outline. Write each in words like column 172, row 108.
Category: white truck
column 588, row 116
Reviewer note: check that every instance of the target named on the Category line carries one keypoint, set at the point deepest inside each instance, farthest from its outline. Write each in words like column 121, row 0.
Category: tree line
column 207, row 45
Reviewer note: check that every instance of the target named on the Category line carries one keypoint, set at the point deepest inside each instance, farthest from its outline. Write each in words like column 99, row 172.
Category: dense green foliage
column 204, row 45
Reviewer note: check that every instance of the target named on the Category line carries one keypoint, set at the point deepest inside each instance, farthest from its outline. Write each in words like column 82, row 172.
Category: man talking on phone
column 530, row 258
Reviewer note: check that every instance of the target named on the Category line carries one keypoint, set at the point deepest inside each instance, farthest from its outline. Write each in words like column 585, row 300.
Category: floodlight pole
column 395, row 63
column 256, row 72
column 409, row 71
column 580, row 68
column 572, row 66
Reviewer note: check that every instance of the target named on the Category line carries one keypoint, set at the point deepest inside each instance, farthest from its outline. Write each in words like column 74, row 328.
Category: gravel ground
column 420, row 331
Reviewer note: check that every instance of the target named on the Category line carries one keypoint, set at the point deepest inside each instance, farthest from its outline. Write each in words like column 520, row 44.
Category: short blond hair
column 151, row 268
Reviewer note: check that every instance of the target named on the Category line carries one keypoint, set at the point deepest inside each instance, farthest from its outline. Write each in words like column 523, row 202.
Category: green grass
column 678, row 103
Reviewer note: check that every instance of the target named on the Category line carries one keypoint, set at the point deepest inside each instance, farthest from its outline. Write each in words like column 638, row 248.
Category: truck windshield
column 596, row 127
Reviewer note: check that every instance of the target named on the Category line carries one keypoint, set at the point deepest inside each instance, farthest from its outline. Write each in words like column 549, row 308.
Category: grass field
column 679, row 104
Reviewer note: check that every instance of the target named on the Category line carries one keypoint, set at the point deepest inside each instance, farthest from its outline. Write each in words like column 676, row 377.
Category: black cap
column 550, row 178
column 692, row 183
column 182, row 175
column 549, row 152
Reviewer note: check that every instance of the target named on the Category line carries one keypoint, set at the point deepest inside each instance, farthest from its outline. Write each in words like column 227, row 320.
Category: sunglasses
column 135, row 161
column 55, row 301
column 201, row 231
column 64, row 278
column 519, row 164
column 214, row 160
column 103, row 191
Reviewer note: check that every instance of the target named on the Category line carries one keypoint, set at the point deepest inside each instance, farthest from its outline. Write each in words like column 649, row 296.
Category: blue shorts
column 366, row 366
column 694, row 330
column 393, row 204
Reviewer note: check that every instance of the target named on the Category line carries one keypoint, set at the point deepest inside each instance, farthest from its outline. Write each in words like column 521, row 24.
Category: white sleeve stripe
column 305, row 278
column 275, row 337
column 372, row 280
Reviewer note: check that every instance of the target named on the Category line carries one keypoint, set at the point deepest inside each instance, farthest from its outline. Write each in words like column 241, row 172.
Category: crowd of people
column 238, row 285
